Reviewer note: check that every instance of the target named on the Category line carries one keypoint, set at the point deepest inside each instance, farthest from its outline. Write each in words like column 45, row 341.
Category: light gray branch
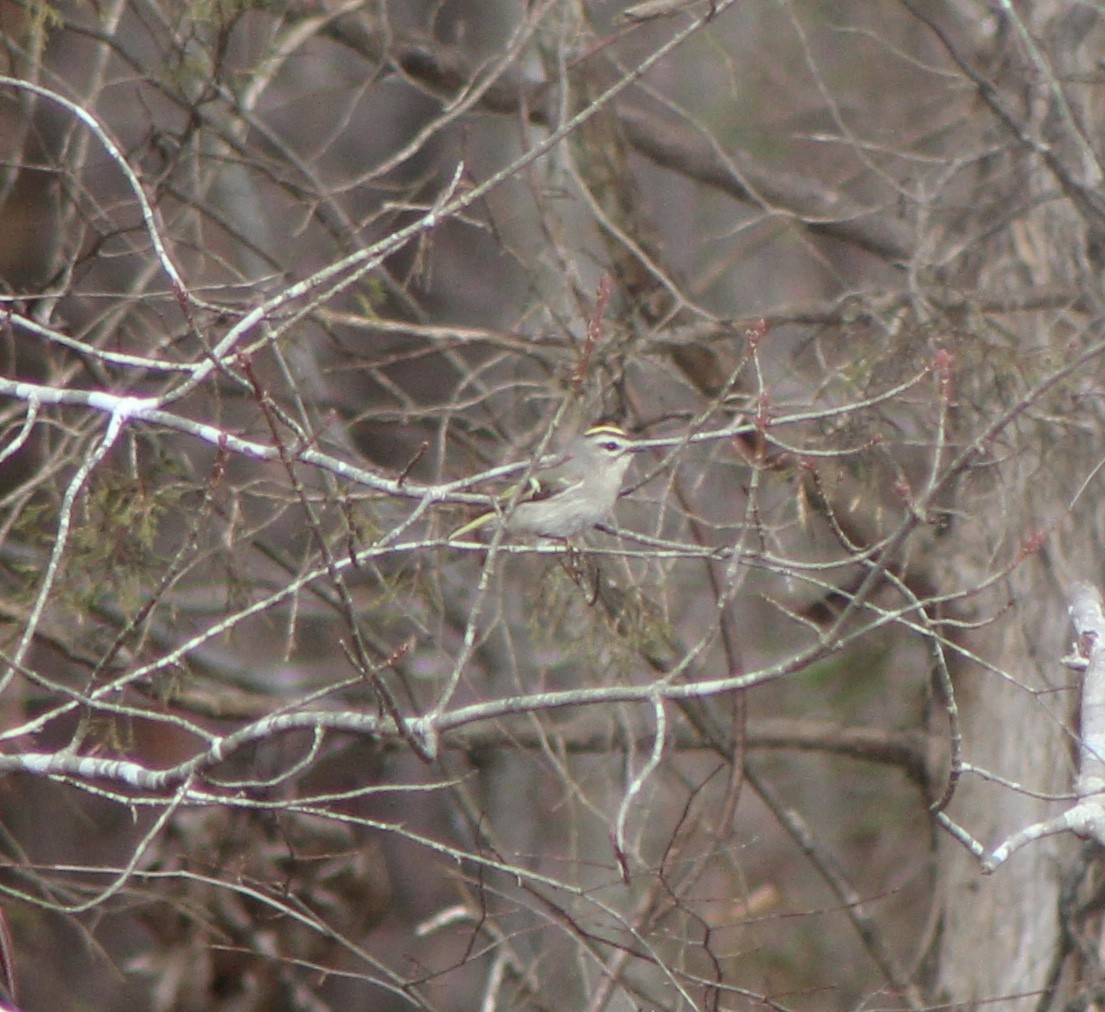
column 1087, row 817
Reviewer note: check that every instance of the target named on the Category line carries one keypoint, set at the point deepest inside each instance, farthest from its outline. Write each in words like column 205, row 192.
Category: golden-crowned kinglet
column 575, row 493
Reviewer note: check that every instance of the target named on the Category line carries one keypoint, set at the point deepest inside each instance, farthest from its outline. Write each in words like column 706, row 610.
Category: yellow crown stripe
column 607, row 429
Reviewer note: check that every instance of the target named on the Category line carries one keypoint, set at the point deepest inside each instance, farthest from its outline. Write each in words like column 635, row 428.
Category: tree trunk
column 1001, row 935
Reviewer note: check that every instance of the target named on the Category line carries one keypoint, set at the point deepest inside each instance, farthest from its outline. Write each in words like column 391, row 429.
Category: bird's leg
column 582, row 571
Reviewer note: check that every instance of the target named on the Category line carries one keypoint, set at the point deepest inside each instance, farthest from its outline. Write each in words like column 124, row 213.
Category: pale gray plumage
column 575, row 494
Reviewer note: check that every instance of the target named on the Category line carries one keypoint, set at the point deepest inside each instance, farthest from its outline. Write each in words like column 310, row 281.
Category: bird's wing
column 534, row 490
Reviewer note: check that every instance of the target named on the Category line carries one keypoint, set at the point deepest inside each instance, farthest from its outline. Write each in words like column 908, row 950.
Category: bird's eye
column 610, row 446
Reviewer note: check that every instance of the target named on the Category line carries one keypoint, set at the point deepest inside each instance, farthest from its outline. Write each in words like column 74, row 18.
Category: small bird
column 652, row 9
column 574, row 494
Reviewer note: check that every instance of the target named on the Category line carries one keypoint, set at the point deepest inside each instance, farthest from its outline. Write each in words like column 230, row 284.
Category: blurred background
column 837, row 263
